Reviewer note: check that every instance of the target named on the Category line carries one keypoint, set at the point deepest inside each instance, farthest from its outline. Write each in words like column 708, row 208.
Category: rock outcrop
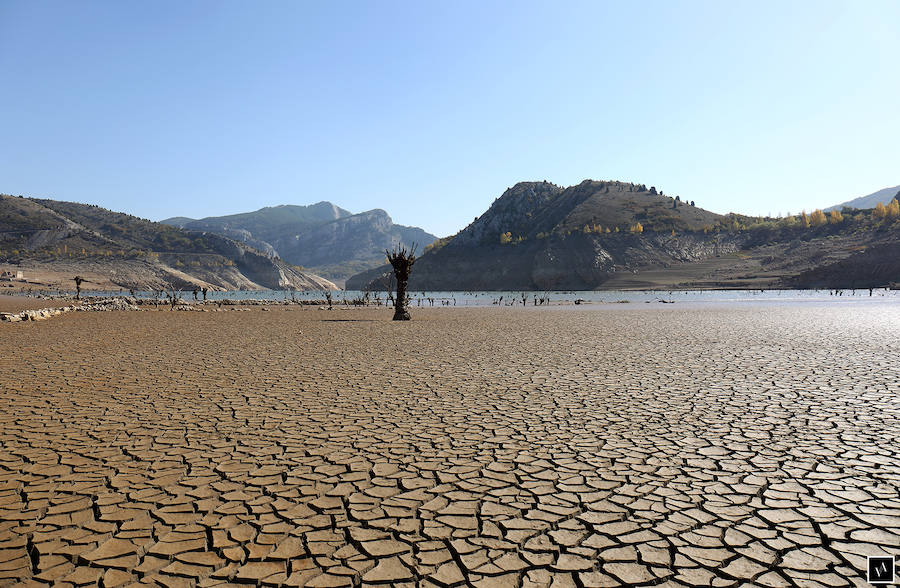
column 327, row 239
column 540, row 236
column 597, row 235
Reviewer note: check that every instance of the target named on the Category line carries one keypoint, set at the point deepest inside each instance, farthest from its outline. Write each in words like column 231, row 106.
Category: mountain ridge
column 327, row 239
column 126, row 251
column 884, row 196
column 598, row 234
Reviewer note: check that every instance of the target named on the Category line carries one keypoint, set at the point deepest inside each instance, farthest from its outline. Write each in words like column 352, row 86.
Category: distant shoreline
column 21, row 300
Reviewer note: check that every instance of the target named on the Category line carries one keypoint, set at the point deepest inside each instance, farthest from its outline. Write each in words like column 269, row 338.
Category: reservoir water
column 515, row 297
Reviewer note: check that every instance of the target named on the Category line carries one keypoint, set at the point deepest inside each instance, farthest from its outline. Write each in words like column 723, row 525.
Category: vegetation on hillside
column 539, row 235
column 49, row 231
column 880, row 218
column 135, row 233
column 45, row 230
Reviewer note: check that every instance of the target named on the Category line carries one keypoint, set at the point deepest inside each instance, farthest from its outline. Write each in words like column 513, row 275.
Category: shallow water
column 514, row 297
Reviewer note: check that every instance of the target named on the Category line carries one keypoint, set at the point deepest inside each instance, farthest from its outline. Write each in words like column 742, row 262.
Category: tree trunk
column 400, row 311
column 401, row 259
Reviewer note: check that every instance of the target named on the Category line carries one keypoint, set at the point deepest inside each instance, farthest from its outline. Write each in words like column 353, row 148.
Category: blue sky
column 431, row 109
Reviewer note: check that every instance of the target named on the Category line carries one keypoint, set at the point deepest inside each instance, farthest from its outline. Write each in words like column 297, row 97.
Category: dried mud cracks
column 490, row 447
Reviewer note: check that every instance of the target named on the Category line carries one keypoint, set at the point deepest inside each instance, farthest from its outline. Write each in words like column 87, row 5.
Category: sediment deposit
column 700, row 445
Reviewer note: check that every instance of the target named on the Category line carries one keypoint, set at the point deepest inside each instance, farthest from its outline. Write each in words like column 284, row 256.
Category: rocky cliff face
column 874, row 267
column 322, row 237
column 278, row 275
column 540, row 236
column 517, row 211
column 532, row 209
column 573, row 262
column 245, row 236
column 581, row 238
column 358, row 237
column 586, row 261
column 269, row 223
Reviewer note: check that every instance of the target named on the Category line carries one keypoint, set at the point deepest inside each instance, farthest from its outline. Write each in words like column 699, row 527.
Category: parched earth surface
column 604, row 446
column 20, row 303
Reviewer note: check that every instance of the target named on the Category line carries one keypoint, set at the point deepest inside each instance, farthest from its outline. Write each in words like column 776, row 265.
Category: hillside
column 268, row 223
column 65, row 238
column 870, row 201
column 533, row 209
column 616, row 235
column 325, row 238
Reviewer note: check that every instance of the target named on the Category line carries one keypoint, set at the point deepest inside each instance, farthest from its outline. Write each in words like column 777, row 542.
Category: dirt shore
column 19, row 303
column 700, row 445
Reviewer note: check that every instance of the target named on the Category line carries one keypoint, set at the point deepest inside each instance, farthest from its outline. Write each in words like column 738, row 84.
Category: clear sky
column 430, row 110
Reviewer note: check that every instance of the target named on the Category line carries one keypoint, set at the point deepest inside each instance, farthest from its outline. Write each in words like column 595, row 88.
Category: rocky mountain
column 268, row 223
column 532, row 210
column 870, row 201
column 328, row 240
column 66, row 238
column 608, row 234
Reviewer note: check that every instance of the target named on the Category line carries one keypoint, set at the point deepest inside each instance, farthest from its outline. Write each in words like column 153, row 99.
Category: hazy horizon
column 431, row 111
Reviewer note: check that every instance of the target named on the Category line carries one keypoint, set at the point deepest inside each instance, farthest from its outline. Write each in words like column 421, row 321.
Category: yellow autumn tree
column 637, row 228
column 817, row 218
column 804, row 220
column 836, row 217
column 505, row 238
column 893, row 209
column 880, row 211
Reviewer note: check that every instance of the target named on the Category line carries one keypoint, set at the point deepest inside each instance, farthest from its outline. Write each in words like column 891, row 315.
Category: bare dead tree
column 173, row 296
column 402, row 260
column 78, row 281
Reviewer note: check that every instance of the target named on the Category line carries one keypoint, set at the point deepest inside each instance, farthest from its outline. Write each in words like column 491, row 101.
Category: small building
column 10, row 275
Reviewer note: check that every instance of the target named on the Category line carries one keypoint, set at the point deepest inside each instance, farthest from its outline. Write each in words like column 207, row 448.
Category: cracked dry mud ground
column 491, row 447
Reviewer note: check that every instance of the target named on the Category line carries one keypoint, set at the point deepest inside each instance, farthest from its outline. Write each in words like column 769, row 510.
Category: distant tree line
column 881, row 217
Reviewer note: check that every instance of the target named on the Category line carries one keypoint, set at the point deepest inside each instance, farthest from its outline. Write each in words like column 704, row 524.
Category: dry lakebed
column 686, row 444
